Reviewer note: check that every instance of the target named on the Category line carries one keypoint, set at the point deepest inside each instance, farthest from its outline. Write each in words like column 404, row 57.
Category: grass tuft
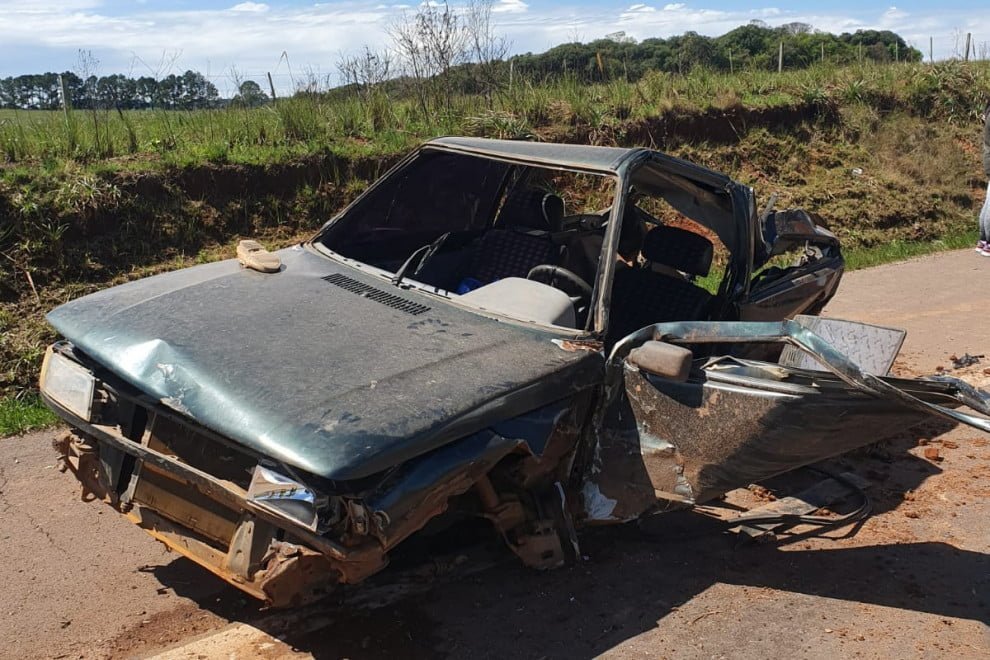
column 20, row 415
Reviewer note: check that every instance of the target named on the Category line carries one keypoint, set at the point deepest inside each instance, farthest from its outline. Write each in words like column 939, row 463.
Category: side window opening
column 672, row 255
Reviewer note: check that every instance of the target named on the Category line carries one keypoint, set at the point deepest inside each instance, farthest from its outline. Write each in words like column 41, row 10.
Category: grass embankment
column 889, row 155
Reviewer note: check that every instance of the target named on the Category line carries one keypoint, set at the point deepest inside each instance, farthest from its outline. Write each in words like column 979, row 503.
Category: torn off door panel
column 733, row 422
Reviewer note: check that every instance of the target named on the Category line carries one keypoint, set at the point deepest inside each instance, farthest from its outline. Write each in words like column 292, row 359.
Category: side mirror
column 789, row 230
column 662, row 359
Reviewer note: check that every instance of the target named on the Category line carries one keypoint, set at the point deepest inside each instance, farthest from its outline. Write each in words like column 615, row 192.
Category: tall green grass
column 311, row 122
column 898, row 250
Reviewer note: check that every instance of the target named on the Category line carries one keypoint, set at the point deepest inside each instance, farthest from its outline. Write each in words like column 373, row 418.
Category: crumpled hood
column 339, row 383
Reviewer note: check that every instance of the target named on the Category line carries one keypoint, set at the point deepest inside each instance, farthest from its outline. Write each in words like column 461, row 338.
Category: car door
column 680, row 431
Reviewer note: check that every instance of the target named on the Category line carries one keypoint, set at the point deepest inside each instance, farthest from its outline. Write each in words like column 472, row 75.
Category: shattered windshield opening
column 437, row 192
column 514, row 239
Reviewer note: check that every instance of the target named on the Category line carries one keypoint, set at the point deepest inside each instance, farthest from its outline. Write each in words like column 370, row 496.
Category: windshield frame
column 593, row 326
column 734, row 281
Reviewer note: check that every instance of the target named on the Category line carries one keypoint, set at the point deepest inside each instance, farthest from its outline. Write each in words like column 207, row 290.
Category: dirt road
column 914, row 581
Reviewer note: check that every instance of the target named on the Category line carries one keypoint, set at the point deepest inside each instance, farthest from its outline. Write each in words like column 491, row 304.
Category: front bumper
column 205, row 518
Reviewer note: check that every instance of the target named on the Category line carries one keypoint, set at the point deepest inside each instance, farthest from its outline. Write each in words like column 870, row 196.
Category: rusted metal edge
column 179, row 539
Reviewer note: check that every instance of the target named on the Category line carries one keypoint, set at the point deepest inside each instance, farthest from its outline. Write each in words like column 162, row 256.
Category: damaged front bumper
column 211, row 521
column 283, row 536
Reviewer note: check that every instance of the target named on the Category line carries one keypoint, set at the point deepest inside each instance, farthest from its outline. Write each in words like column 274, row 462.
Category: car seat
column 521, row 238
column 660, row 290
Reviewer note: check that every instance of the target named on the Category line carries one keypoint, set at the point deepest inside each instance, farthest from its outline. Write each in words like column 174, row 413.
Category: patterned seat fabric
column 521, row 240
column 510, row 253
column 641, row 297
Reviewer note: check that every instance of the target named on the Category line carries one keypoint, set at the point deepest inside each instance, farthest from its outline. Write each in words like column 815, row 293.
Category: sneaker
column 985, row 252
column 982, row 245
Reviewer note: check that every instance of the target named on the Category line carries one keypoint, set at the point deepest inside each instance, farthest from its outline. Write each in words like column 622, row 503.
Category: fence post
column 732, row 68
column 931, row 50
column 66, row 106
column 512, row 63
column 65, row 98
column 897, row 52
column 271, row 86
column 780, row 57
column 823, row 52
column 969, row 38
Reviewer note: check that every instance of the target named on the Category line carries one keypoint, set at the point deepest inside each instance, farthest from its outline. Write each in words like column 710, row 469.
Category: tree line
column 752, row 46
column 188, row 91
column 439, row 51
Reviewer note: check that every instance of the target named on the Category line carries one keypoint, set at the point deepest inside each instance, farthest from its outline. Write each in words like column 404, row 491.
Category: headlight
column 68, row 384
column 284, row 497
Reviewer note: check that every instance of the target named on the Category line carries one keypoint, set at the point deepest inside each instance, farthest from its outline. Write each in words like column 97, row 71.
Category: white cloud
column 893, row 13
column 257, row 7
column 510, row 7
column 251, row 36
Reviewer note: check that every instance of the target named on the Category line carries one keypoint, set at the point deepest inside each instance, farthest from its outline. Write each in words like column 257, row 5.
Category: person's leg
column 984, row 245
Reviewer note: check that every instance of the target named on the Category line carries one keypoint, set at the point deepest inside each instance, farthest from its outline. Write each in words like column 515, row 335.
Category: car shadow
column 627, row 582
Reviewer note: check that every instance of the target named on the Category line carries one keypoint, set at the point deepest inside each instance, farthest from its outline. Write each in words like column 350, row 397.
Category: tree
column 485, row 48
column 197, row 91
column 249, row 95
column 430, row 42
column 366, row 71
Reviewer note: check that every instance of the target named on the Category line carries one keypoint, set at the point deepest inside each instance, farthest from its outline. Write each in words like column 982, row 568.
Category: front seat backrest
column 680, row 249
column 531, row 208
column 641, row 296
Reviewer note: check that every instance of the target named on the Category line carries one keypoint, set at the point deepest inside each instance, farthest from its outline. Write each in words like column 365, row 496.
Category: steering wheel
column 563, row 279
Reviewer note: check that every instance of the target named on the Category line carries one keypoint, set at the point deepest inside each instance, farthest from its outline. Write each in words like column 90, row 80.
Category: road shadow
column 629, row 581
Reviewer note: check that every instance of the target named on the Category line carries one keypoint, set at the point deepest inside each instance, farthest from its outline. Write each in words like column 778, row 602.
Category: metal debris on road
column 965, row 361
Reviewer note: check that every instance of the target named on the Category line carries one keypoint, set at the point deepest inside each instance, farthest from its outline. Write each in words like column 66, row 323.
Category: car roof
column 603, row 159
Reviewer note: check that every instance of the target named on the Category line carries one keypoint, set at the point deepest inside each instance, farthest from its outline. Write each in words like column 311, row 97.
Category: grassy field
column 374, row 124
column 888, row 155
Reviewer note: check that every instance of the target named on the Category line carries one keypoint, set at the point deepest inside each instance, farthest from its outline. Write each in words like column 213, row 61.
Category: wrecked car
column 541, row 336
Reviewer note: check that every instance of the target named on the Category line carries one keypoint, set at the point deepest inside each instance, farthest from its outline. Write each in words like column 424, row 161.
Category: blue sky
column 296, row 38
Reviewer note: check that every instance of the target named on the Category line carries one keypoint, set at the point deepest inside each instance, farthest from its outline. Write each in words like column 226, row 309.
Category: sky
column 233, row 39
